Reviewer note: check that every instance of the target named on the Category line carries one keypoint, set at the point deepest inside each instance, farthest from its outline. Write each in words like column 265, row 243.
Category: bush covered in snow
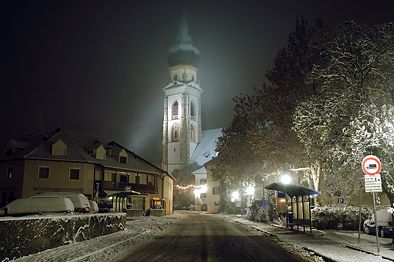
column 263, row 211
column 333, row 217
column 32, row 234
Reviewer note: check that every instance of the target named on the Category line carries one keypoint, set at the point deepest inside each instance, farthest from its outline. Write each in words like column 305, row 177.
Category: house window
column 215, row 190
column 124, row 179
column 175, row 110
column 10, row 172
column 123, row 159
column 203, row 181
column 43, row 172
column 175, row 133
column 74, row 174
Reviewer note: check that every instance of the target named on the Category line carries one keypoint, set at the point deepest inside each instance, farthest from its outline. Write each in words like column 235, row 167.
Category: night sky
column 98, row 67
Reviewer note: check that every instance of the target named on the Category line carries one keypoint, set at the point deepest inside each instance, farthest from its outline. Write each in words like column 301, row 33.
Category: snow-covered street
column 334, row 245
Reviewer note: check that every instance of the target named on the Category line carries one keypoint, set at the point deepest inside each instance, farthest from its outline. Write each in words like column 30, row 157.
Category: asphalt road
column 202, row 237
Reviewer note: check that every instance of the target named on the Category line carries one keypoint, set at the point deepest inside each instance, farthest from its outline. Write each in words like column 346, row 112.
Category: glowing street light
column 249, row 191
column 234, row 196
column 202, row 189
column 285, row 179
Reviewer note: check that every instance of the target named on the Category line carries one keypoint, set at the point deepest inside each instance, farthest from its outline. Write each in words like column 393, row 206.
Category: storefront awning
column 292, row 190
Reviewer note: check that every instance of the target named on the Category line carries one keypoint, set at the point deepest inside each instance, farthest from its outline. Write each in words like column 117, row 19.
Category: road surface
column 203, row 237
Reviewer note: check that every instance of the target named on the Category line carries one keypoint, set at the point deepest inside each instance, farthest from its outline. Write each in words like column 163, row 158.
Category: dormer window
column 59, row 148
column 100, row 152
column 175, row 110
column 123, row 156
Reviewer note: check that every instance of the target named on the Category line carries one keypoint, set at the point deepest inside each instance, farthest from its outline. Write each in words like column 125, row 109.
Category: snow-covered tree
column 260, row 140
column 356, row 69
column 372, row 132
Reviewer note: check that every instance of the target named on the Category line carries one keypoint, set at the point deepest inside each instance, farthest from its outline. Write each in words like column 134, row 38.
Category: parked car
column 80, row 201
column 384, row 221
column 93, row 207
column 38, row 205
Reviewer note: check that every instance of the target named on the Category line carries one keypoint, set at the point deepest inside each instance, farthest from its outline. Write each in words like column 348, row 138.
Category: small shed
column 300, row 202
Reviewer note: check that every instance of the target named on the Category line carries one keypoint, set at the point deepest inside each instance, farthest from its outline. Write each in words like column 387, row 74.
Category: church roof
column 183, row 52
column 205, row 151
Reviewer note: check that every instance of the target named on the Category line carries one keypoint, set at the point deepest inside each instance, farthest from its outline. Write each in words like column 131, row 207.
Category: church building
column 184, row 141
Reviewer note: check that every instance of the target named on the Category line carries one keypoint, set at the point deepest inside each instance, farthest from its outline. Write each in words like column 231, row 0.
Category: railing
column 121, row 186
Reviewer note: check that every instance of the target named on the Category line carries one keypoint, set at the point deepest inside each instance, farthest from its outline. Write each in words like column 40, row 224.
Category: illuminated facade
column 182, row 103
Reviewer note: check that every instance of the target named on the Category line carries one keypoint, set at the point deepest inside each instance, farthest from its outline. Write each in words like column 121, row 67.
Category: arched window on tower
column 175, row 133
column 192, row 110
column 192, row 133
column 175, row 110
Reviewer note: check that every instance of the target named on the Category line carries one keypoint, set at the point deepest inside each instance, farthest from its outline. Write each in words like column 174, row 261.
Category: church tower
column 182, row 102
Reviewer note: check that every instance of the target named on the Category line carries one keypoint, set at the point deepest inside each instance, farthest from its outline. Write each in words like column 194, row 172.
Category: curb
column 367, row 251
column 265, row 232
column 325, row 258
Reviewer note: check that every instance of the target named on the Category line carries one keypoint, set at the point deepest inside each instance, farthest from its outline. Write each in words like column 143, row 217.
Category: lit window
column 74, row 174
column 43, row 173
column 10, row 172
column 175, row 110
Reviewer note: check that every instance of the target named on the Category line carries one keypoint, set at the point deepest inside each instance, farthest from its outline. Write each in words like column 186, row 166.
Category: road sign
column 341, row 200
column 371, row 165
column 373, row 183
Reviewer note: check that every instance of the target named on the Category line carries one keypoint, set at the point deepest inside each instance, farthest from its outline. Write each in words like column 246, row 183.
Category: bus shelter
column 300, row 203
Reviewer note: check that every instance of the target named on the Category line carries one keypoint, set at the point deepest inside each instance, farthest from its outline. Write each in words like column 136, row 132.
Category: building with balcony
column 69, row 161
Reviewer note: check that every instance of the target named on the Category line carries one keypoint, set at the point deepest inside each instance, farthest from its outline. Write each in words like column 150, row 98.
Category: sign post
column 371, row 167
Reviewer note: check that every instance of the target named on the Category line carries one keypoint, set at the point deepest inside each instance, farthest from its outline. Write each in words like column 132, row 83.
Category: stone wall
column 22, row 236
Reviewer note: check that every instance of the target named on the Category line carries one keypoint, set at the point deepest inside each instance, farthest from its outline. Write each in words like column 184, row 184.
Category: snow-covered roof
column 80, row 148
column 200, row 171
column 205, row 151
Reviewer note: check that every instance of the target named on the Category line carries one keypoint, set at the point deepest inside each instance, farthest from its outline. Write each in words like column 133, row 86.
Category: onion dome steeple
column 182, row 52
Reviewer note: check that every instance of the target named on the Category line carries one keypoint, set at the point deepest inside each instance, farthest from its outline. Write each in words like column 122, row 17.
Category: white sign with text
column 373, row 183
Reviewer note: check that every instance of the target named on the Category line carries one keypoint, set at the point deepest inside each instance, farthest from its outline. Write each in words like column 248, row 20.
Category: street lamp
column 234, row 196
column 249, row 191
column 285, row 179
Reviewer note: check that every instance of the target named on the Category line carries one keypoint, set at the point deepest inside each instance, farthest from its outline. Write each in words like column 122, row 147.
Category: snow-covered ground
column 108, row 247
column 334, row 245
column 330, row 245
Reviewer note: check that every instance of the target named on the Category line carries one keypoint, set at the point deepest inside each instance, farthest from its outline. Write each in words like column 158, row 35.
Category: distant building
column 69, row 161
column 184, row 142
column 214, row 188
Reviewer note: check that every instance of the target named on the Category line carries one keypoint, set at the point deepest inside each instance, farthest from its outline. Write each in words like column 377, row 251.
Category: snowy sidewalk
column 333, row 245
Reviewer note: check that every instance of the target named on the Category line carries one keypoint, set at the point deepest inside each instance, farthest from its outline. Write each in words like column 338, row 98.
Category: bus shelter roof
column 292, row 190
